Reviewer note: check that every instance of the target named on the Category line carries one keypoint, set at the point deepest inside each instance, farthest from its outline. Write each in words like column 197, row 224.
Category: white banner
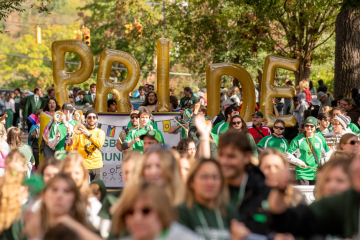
column 112, row 125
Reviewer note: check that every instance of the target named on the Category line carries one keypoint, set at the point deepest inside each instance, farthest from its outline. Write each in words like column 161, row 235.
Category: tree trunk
column 347, row 52
column 304, row 70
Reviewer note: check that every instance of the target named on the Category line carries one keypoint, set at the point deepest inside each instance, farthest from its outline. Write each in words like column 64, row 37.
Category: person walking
column 32, row 105
column 17, row 99
column 10, row 110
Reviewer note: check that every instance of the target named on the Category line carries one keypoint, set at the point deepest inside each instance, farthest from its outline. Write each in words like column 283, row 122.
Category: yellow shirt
column 89, row 148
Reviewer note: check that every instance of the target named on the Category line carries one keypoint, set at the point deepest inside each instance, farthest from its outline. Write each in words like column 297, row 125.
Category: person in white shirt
column 10, row 109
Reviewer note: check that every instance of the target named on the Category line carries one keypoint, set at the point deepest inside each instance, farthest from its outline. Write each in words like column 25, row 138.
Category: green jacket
column 31, row 107
column 88, row 99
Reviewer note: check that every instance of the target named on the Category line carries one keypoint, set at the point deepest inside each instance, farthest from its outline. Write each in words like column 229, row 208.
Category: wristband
column 89, row 136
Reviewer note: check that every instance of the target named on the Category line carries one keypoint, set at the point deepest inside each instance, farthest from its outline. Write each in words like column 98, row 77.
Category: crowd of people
column 225, row 179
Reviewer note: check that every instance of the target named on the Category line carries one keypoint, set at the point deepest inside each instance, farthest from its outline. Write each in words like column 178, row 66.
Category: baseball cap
column 67, row 106
column 226, row 102
column 152, row 134
column 134, row 112
column 320, row 95
column 311, row 120
column 315, row 102
column 258, row 114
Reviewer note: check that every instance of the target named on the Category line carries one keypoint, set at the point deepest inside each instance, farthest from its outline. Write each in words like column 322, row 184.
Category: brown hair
column 144, row 111
column 48, row 161
column 322, row 116
column 222, row 198
column 154, row 195
column 344, row 138
column 279, row 121
column 146, row 101
column 38, row 112
column 244, row 127
column 9, row 96
column 82, row 92
column 237, row 140
column 78, row 209
column 184, row 144
column 77, row 159
column 95, row 188
column 37, row 89
column 338, row 159
column 14, row 137
column 46, row 105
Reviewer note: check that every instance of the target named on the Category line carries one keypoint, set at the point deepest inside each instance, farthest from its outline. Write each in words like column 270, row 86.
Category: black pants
column 306, row 182
column 95, row 173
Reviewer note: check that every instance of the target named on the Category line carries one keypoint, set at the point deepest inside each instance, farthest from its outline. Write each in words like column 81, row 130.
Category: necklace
column 204, row 223
column 310, row 147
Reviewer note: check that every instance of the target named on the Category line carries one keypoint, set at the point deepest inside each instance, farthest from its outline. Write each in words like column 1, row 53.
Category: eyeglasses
column 209, row 176
column 134, row 117
column 91, row 117
column 277, row 127
column 309, row 126
column 353, row 142
column 236, row 123
column 144, row 211
column 151, row 89
column 335, row 124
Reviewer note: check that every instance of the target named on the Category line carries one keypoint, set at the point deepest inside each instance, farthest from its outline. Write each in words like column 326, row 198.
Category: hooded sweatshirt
column 322, row 87
column 354, row 114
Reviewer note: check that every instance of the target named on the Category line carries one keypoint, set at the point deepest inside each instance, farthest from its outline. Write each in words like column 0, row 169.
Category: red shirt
column 308, row 96
column 256, row 135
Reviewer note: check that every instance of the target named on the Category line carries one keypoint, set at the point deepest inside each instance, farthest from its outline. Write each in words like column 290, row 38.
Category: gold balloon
column 214, row 72
column 121, row 90
column 163, row 74
column 270, row 91
column 63, row 78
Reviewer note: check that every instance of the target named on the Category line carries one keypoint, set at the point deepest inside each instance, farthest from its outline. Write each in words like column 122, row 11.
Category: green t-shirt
column 322, row 134
column 300, row 147
column 220, row 128
column 271, row 141
column 27, row 152
column 63, row 133
column 139, row 145
column 108, row 201
column 217, row 225
column 354, row 128
column 185, row 101
column 17, row 103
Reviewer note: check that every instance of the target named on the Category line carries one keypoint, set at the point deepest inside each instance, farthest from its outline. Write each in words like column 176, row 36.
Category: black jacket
column 354, row 114
column 322, row 87
column 219, row 118
column 251, row 207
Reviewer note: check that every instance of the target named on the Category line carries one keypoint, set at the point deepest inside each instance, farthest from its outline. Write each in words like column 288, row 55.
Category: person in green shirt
column 324, row 123
column 189, row 98
column 223, row 126
column 336, row 215
column 239, row 124
column 207, row 210
column 133, row 138
column 275, row 140
column 60, row 131
column 82, row 102
column 304, row 146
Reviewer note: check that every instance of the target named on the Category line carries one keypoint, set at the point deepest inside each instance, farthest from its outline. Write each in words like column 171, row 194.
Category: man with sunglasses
column 223, row 126
column 276, row 140
column 340, row 127
column 134, row 120
column 306, row 151
column 257, row 130
column 88, row 145
column 151, row 139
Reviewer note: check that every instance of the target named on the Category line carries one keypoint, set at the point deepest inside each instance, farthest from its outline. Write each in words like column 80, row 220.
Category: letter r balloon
column 121, row 90
column 270, row 91
column 63, row 78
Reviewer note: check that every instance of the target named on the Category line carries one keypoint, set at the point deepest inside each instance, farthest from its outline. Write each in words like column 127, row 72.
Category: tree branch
column 324, row 41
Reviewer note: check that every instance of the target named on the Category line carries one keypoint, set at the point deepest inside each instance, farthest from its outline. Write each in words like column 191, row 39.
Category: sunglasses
column 91, row 117
column 281, row 128
column 310, row 126
column 144, row 211
column 151, row 89
column 236, row 123
column 353, row 142
column 134, row 117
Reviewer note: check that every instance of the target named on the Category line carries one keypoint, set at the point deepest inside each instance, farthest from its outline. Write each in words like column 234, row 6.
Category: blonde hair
column 2, row 130
column 304, row 84
column 326, row 109
column 78, row 160
column 11, row 189
column 337, row 159
column 222, row 198
column 14, row 155
column 174, row 186
column 154, row 195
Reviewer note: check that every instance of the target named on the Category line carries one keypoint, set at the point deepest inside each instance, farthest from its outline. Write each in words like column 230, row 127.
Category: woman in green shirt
column 206, row 210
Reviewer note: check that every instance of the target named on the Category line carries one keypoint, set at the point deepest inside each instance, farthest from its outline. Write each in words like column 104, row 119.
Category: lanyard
column 203, row 221
column 242, row 189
